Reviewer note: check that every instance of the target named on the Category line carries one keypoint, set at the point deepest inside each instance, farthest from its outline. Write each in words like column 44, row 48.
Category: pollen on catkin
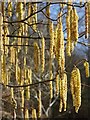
column 63, row 93
column 34, row 115
column 36, row 56
column 39, row 104
column 75, row 84
column 43, row 55
column 86, row 65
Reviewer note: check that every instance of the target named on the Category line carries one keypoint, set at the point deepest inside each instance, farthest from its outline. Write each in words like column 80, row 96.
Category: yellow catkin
column 12, row 55
column 60, row 45
column 30, row 76
column 39, row 105
column 57, row 84
column 68, row 6
column 16, row 67
column 51, row 32
column 86, row 65
column 63, row 93
column 43, row 55
column 55, row 40
column 71, row 31
column 10, row 9
column 26, row 114
column 5, row 38
column 68, row 34
column 86, row 20
column 29, row 13
column 19, row 11
column 13, row 101
column 12, row 93
column 34, row 115
column 1, row 46
column 3, row 70
column 28, row 81
column 34, row 17
column 36, row 56
column 75, row 85
column 75, row 26
column 51, row 85
column 22, row 93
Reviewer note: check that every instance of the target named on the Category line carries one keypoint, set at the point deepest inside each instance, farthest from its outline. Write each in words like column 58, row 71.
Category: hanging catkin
column 34, row 115
column 39, row 104
column 57, row 84
column 19, row 11
column 22, row 94
column 29, row 13
column 75, row 26
column 43, row 55
column 34, row 17
column 51, row 32
column 71, row 31
column 12, row 55
column 3, row 70
column 86, row 65
column 10, row 9
column 75, row 84
column 63, row 93
column 16, row 67
column 68, row 34
column 51, row 85
column 60, row 45
column 1, row 48
column 36, row 56
column 55, row 40
column 26, row 114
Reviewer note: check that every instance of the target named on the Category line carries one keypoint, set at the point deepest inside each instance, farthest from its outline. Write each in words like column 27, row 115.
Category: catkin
column 57, row 84
column 51, row 32
column 75, row 26
column 10, row 9
column 34, row 115
column 63, row 93
column 37, row 56
column 3, row 71
column 68, row 34
column 1, row 46
column 26, row 114
column 75, row 85
column 39, row 104
column 55, row 40
column 34, row 17
column 71, row 31
column 22, row 94
column 86, row 65
column 19, row 11
column 28, row 81
column 12, row 55
column 60, row 45
column 51, row 85
column 12, row 93
column 43, row 55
